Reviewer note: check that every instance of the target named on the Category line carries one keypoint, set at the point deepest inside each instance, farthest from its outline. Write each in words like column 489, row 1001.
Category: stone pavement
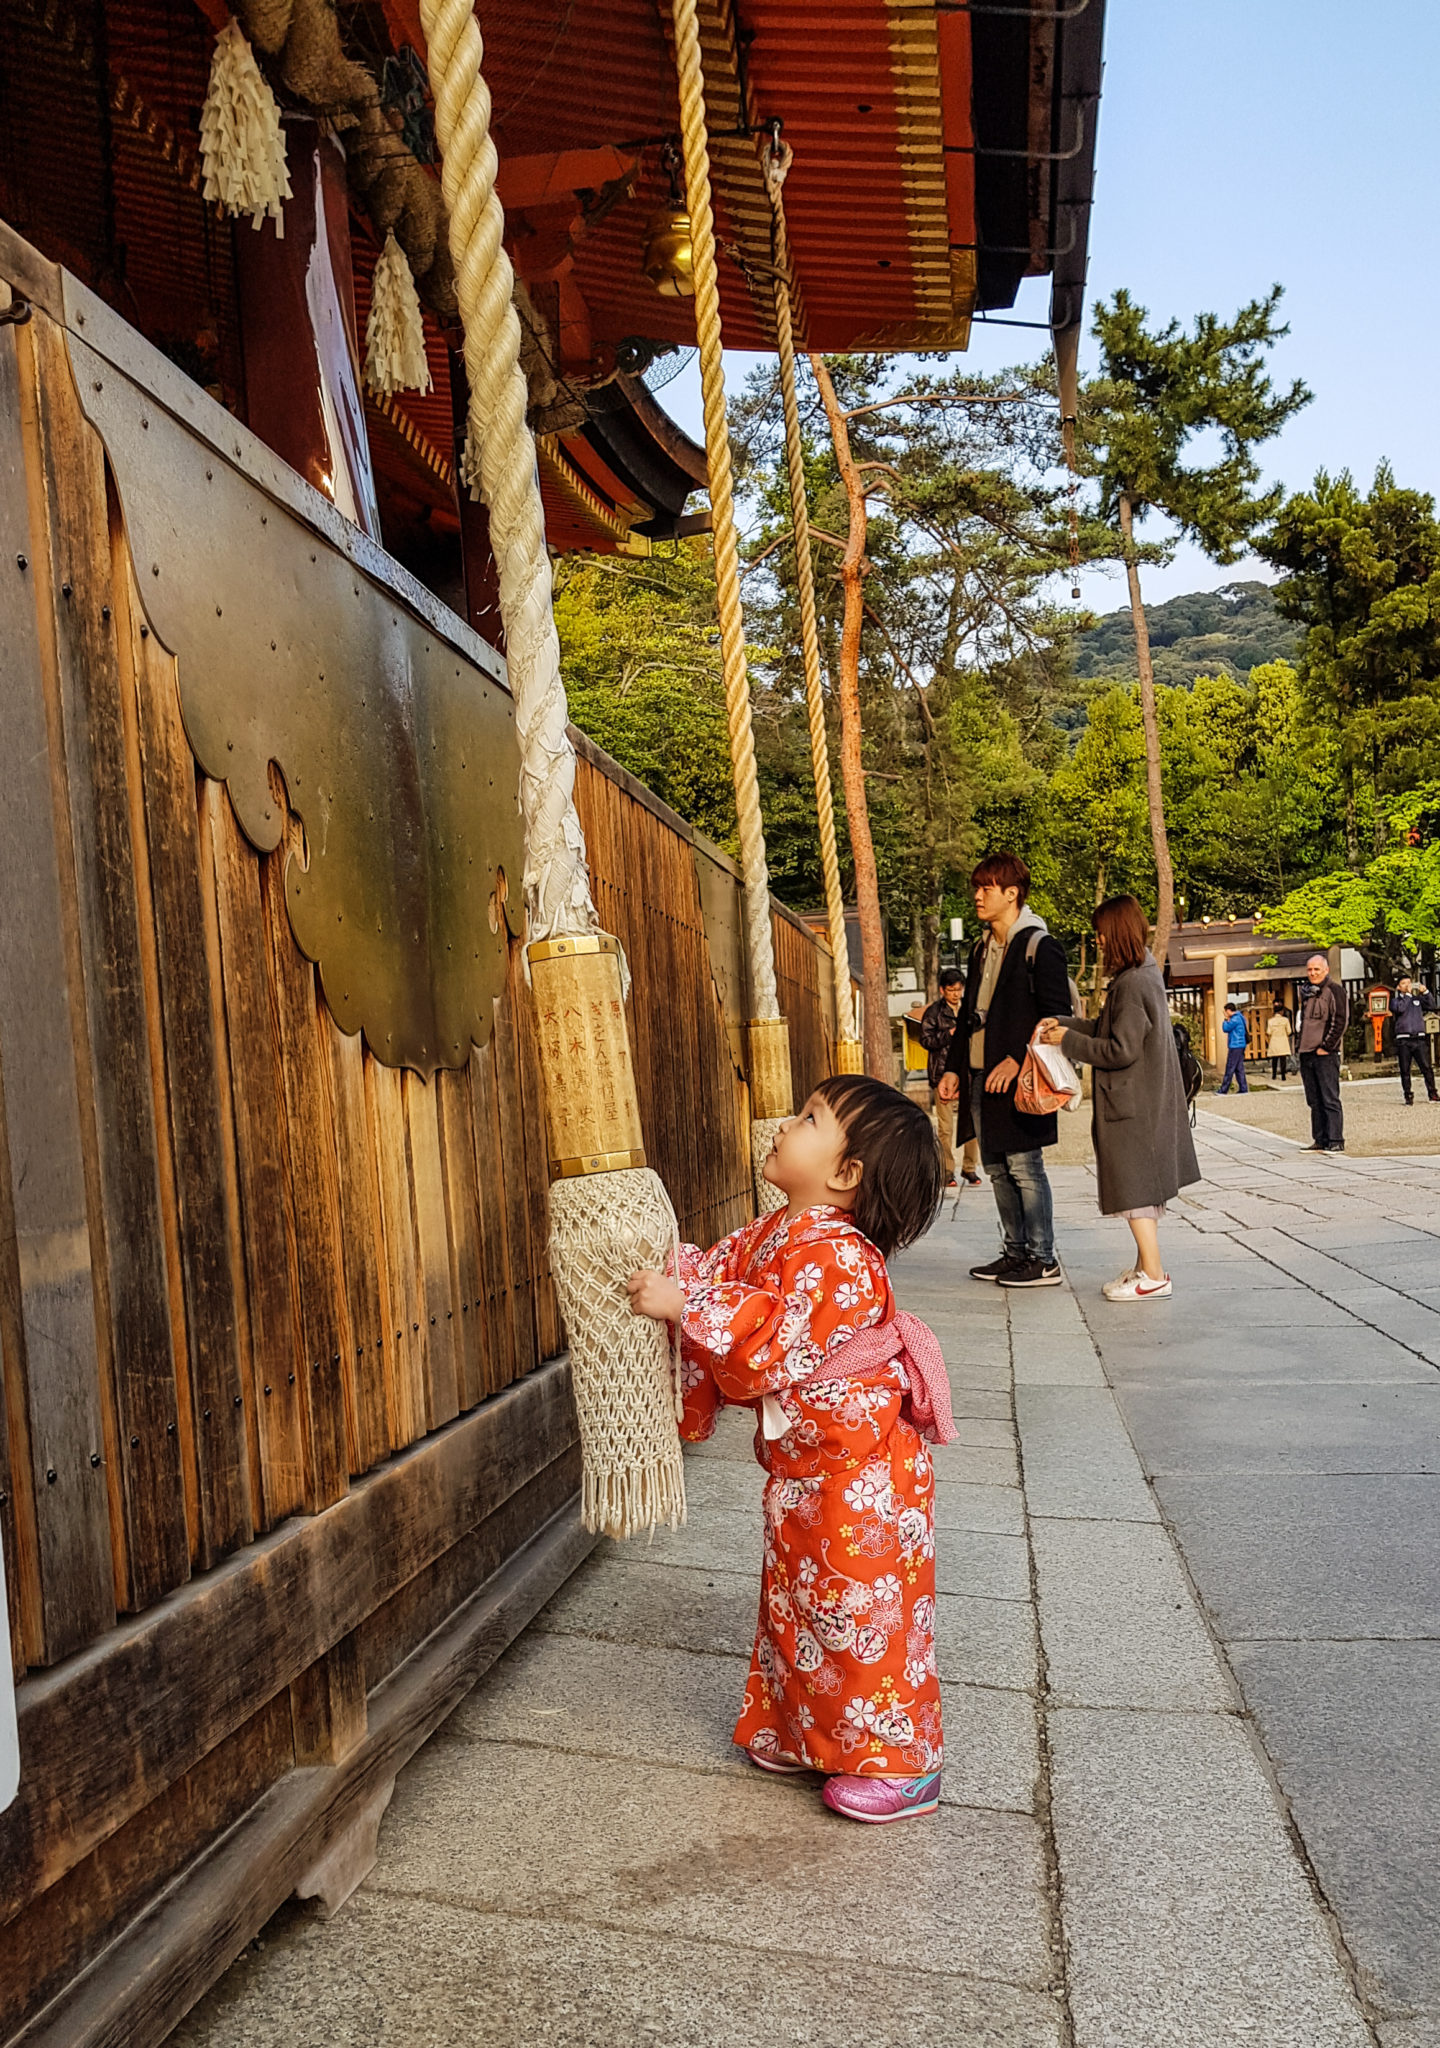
column 1134, row 1851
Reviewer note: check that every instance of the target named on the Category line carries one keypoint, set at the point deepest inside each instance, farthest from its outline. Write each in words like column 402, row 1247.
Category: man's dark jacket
column 1014, row 1012
column 1328, row 1010
column 937, row 1028
column 1409, row 1012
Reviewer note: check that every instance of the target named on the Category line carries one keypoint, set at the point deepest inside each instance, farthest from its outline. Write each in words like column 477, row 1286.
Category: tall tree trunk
column 879, row 1053
column 1164, row 872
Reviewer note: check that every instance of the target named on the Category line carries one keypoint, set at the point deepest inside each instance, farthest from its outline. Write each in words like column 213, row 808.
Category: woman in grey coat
column 1144, row 1153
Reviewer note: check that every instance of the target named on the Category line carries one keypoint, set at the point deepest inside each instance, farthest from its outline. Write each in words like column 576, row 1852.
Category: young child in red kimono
column 793, row 1315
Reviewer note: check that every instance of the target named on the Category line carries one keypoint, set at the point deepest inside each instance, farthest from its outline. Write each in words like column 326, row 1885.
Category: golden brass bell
column 669, row 259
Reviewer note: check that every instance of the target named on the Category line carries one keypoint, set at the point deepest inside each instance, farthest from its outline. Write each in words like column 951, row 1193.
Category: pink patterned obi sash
column 867, row 1356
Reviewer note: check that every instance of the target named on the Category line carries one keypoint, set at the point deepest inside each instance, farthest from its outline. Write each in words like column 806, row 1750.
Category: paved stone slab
column 395, row 1972
column 1179, row 1352
column 986, row 1565
column 1351, row 1728
column 961, row 1505
column 1118, row 1622
column 987, row 1642
column 982, row 1468
column 1354, row 1428
column 1189, row 1922
column 667, row 1606
column 1078, row 1458
column 1311, row 1557
column 992, row 1748
column 684, row 1853
column 720, row 1539
column 979, row 1403
column 1069, row 1362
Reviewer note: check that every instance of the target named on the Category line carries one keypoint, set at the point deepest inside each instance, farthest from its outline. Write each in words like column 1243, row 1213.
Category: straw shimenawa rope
column 602, row 1224
column 758, row 940
column 768, row 1041
column 777, row 166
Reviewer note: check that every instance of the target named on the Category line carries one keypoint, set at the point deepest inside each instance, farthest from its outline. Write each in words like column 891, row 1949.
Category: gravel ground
column 1376, row 1119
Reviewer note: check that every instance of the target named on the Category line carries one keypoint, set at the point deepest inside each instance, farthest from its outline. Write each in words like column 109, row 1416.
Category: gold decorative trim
column 566, row 477
column 595, row 1162
column 414, row 437
column 944, row 279
column 585, row 942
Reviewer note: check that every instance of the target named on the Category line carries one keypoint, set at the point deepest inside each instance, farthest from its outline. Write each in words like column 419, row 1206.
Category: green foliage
column 642, row 674
column 1209, row 632
column 1391, row 907
column 1161, row 398
column 1362, row 574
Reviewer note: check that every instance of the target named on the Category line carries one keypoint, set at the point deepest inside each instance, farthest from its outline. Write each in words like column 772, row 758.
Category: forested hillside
column 1206, row 633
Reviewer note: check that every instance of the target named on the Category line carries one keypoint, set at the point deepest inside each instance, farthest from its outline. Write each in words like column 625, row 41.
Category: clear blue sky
column 1248, row 142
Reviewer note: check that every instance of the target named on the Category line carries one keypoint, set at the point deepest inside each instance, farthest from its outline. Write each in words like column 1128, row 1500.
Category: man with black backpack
column 1017, row 976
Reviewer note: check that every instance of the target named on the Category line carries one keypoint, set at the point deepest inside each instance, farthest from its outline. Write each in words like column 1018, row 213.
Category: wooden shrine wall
column 287, row 1453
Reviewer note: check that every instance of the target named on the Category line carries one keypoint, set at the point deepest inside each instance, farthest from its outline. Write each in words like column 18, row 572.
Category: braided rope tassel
column 777, row 165
column 753, row 867
column 500, row 456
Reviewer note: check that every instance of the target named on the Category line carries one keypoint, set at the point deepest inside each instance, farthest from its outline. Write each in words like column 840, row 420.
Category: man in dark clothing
column 1408, row 1007
column 1322, row 1034
column 935, row 1028
column 1017, row 976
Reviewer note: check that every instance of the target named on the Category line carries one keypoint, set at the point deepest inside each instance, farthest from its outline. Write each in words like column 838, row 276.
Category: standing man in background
column 1322, row 1037
column 935, row 1028
column 1408, row 1007
column 1017, row 976
column 1237, row 1037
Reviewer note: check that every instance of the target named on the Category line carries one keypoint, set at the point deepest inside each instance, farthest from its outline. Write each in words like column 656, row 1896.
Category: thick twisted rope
column 500, row 457
column 777, row 165
column 753, row 867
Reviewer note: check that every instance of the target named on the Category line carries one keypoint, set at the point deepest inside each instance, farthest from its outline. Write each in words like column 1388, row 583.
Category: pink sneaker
column 780, row 1766
column 876, row 1800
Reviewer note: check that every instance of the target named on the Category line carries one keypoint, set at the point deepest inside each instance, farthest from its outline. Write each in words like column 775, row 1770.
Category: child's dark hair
column 895, row 1142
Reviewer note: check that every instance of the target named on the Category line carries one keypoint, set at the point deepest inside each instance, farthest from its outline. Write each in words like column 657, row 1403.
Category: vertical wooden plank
column 56, row 1534
column 113, row 1062
column 494, row 1253
column 437, row 1299
column 404, row 1339
column 462, row 1214
column 537, row 1177
column 360, row 1227
column 511, row 1113
column 201, row 1225
column 310, row 1136
column 328, row 1709
column 272, row 1287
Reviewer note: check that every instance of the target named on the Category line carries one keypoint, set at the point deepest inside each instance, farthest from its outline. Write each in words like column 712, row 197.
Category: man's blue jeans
column 1235, row 1071
column 1022, row 1192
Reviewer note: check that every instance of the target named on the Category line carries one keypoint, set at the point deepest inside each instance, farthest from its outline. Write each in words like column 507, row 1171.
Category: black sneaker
column 997, row 1268
column 1032, row 1273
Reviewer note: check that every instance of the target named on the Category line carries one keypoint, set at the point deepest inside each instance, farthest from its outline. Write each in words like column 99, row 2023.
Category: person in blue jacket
column 1409, row 1007
column 1237, row 1037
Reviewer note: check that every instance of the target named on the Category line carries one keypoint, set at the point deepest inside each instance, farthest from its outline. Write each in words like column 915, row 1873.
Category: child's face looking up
column 808, row 1162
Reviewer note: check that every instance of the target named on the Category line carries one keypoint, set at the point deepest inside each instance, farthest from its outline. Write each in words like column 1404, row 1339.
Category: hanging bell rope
column 608, row 1212
column 395, row 331
column 849, row 1053
column 768, row 1039
column 242, row 146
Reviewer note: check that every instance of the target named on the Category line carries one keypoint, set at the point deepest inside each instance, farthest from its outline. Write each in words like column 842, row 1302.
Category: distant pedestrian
column 1237, row 1037
column 935, row 1028
column 1279, row 1042
column 1144, row 1153
column 1322, row 1039
column 1017, row 975
column 1409, row 1007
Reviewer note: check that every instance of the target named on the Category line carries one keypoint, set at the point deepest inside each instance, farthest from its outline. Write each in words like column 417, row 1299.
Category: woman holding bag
column 1144, row 1153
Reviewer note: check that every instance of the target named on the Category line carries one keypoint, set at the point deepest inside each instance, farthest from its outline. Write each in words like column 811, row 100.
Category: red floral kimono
column 843, row 1675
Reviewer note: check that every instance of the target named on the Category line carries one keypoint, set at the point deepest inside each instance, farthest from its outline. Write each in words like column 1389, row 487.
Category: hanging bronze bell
column 669, row 259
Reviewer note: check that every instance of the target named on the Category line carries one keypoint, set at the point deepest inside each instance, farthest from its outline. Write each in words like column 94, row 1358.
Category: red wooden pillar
column 297, row 324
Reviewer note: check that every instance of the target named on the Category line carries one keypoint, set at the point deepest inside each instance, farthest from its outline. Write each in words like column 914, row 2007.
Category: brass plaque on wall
column 300, row 642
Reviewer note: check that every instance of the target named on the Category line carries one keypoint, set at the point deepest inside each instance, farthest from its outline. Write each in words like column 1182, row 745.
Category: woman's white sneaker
column 1136, row 1287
